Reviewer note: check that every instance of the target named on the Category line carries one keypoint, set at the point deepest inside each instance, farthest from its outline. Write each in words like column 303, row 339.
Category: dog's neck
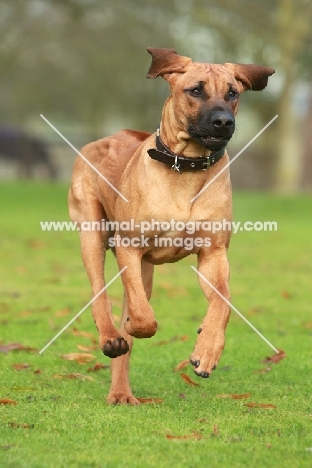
column 176, row 139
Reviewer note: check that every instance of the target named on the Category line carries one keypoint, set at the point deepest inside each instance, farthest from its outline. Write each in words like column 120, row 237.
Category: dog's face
column 205, row 96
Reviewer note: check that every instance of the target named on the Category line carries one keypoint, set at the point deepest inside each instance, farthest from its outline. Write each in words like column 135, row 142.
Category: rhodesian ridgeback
column 159, row 174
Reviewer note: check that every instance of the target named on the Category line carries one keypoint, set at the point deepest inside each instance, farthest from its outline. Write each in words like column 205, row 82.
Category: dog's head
column 205, row 96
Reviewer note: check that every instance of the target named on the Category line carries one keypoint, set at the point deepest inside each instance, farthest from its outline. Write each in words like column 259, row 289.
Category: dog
column 159, row 174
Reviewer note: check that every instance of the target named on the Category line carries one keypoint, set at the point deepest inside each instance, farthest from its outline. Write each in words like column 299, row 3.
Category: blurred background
column 82, row 64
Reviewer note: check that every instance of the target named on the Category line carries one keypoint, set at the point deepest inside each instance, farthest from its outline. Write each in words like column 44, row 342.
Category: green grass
column 70, row 423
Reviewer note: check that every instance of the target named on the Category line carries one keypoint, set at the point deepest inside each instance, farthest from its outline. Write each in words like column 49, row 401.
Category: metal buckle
column 207, row 164
column 176, row 166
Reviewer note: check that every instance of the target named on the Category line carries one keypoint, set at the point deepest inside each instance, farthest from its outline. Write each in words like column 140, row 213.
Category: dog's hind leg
column 120, row 391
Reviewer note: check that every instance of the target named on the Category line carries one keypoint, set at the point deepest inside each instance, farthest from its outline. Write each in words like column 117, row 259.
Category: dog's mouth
column 211, row 142
column 209, row 138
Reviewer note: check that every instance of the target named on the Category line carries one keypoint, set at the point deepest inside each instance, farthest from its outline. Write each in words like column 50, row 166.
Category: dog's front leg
column 93, row 255
column 141, row 321
column 210, row 343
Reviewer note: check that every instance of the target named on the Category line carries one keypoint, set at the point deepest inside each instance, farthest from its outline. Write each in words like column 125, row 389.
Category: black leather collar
column 182, row 163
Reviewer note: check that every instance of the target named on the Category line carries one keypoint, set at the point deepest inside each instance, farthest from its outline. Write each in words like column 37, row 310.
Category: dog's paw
column 206, row 355
column 122, row 398
column 115, row 348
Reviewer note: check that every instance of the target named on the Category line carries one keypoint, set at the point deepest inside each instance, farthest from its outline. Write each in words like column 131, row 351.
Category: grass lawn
column 59, row 416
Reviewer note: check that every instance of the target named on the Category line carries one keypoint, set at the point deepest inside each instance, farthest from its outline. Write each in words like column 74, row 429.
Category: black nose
column 222, row 120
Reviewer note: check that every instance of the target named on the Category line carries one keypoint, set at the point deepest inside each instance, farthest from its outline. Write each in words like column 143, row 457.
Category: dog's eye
column 196, row 92
column 233, row 93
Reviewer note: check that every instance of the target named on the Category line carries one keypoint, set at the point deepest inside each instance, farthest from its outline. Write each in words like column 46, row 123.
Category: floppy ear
column 166, row 61
column 253, row 77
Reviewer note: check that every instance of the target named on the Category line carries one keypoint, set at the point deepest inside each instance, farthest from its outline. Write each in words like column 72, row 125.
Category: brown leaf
column 38, row 371
column 83, row 333
column 98, row 366
column 74, row 375
column 182, row 364
column 87, row 348
column 36, row 244
column 234, row 396
column 275, row 358
column 81, row 358
column 188, row 380
column 7, row 401
column 15, row 347
column 307, row 325
column 175, row 338
column 20, row 366
column 286, row 295
column 23, row 426
column 260, row 405
column 263, row 371
column 189, row 436
column 62, row 312
column 216, row 432
column 203, row 420
column 145, row 401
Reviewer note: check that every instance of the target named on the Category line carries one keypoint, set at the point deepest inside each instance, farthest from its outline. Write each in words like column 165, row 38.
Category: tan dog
column 160, row 175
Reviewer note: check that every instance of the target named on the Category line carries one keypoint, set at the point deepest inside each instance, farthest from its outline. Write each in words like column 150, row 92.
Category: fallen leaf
column 216, row 432
column 81, row 358
column 62, row 312
column 20, row 366
column 36, row 244
column 83, row 333
column 188, row 380
column 255, row 310
column 15, row 347
column 275, row 358
column 98, row 366
column 182, row 396
column 43, row 309
column 182, row 364
column 26, row 313
column 234, row 396
column 38, row 371
column 286, row 295
column 145, row 401
column 175, row 338
column 203, row 420
column 74, row 375
column 7, row 401
column 307, row 325
column 23, row 426
column 7, row 447
column 263, row 371
column 87, row 348
column 189, row 436
column 260, row 405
